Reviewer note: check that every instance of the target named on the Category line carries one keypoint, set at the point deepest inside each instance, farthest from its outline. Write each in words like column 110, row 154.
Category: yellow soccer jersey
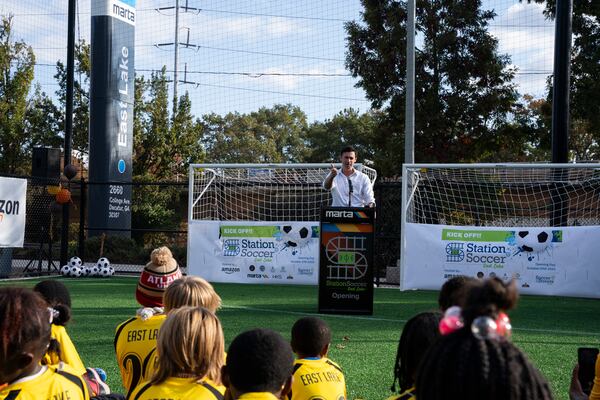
column 406, row 395
column 68, row 352
column 135, row 347
column 55, row 382
column 258, row 396
column 178, row 388
column 317, row 378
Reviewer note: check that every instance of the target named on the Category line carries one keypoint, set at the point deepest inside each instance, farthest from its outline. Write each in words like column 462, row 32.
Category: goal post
column 257, row 223
column 536, row 223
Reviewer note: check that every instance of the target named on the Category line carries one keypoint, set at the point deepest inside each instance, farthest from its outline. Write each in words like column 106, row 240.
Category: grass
column 548, row 329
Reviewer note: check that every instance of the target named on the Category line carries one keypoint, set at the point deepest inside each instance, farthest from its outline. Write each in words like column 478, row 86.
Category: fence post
column 82, row 205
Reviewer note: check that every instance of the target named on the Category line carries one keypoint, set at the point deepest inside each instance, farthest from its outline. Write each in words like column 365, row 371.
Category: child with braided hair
column 476, row 360
column 24, row 338
column 419, row 333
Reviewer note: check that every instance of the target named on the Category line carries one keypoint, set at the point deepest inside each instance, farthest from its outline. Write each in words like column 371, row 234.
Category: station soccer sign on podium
column 346, row 261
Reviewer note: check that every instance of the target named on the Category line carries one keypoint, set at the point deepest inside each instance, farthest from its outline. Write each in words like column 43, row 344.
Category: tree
column 16, row 68
column 327, row 138
column 41, row 124
column 463, row 86
column 269, row 135
column 81, row 97
column 585, row 77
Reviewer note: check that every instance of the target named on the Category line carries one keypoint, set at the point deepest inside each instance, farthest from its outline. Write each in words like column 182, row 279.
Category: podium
column 346, row 260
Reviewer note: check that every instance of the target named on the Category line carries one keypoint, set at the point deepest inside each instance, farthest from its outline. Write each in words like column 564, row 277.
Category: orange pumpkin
column 63, row 196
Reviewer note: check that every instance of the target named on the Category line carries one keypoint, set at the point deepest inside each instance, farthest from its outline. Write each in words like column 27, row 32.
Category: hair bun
column 488, row 298
column 64, row 314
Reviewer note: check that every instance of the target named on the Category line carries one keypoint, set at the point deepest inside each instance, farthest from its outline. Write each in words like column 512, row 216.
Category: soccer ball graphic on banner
column 534, row 240
column 295, row 236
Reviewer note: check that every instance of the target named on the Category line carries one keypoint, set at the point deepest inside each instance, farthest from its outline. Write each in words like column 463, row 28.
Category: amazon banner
column 254, row 252
column 111, row 115
column 559, row 261
column 13, row 194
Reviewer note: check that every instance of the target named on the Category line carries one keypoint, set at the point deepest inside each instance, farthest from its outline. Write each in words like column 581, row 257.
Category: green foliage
column 16, row 74
column 584, row 79
column 463, row 86
column 81, row 96
column 269, row 135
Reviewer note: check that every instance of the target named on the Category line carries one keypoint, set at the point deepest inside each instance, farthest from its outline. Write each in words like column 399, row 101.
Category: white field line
column 402, row 321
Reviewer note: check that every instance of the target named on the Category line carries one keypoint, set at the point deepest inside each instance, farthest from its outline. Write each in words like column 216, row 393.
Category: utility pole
column 176, row 44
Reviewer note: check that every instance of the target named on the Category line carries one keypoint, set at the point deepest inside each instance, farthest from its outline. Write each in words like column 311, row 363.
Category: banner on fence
column 13, row 194
column 254, row 252
column 550, row 261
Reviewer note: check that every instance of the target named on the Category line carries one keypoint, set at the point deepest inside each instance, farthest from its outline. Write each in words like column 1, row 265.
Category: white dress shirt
column 362, row 190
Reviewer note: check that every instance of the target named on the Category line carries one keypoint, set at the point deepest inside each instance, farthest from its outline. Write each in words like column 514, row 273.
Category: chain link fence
column 159, row 218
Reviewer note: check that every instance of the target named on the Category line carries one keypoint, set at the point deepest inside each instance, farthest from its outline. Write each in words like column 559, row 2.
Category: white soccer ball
column 94, row 270
column 103, row 262
column 75, row 272
column 534, row 240
column 295, row 236
column 86, row 271
column 105, row 272
column 75, row 262
column 65, row 270
column 112, row 271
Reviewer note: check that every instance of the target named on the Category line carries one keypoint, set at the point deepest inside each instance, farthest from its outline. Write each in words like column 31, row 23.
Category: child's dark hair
column 461, row 365
column 488, row 298
column 24, row 319
column 419, row 333
column 452, row 291
column 259, row 360
column 310, row 335
column 58, row 297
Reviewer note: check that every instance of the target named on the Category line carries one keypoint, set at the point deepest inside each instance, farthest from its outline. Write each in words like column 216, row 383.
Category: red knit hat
column 158, row 274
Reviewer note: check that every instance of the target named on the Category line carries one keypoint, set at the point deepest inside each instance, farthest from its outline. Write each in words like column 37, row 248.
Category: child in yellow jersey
column 419, row 333
column 61, row 347
column 135, row 339
column 24, row 338
column 258, row 367
column 315, row 375
column 190, row 356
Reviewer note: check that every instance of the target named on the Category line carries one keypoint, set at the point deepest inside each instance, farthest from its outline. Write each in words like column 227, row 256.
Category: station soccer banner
column 550, row 261
column 13, row 194
column 254, row 252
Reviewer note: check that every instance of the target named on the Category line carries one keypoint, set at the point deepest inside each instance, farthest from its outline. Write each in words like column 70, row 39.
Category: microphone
column 350, row 190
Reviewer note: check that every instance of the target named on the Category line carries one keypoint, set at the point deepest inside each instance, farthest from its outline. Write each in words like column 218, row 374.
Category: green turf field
column 548, row 329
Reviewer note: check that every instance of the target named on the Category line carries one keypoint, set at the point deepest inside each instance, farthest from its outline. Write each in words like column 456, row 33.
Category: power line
column 273, row 92
column 251, row 74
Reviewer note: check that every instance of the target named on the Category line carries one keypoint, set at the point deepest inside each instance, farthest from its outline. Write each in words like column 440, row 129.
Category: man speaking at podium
column 350, row 188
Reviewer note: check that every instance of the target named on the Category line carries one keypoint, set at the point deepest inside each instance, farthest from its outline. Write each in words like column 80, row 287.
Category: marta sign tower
column 111, row 115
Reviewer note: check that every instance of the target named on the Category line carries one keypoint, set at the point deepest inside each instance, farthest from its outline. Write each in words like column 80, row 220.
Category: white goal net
column 536, row 223
column 503, row 195
column 260, row 192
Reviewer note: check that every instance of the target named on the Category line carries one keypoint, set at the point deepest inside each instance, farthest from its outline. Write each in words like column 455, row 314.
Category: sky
column 246, row 54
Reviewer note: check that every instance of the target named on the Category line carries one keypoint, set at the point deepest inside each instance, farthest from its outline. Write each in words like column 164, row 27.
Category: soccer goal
column 536, row 223
column 257, row 223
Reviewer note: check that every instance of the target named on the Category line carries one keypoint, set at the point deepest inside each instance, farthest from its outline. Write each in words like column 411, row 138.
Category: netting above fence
column 504, row 195
column 260, row 192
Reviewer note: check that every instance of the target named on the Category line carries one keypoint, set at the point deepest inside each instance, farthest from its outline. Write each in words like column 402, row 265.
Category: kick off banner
column 13, row 193
column 254, row 252
column 551, row 261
